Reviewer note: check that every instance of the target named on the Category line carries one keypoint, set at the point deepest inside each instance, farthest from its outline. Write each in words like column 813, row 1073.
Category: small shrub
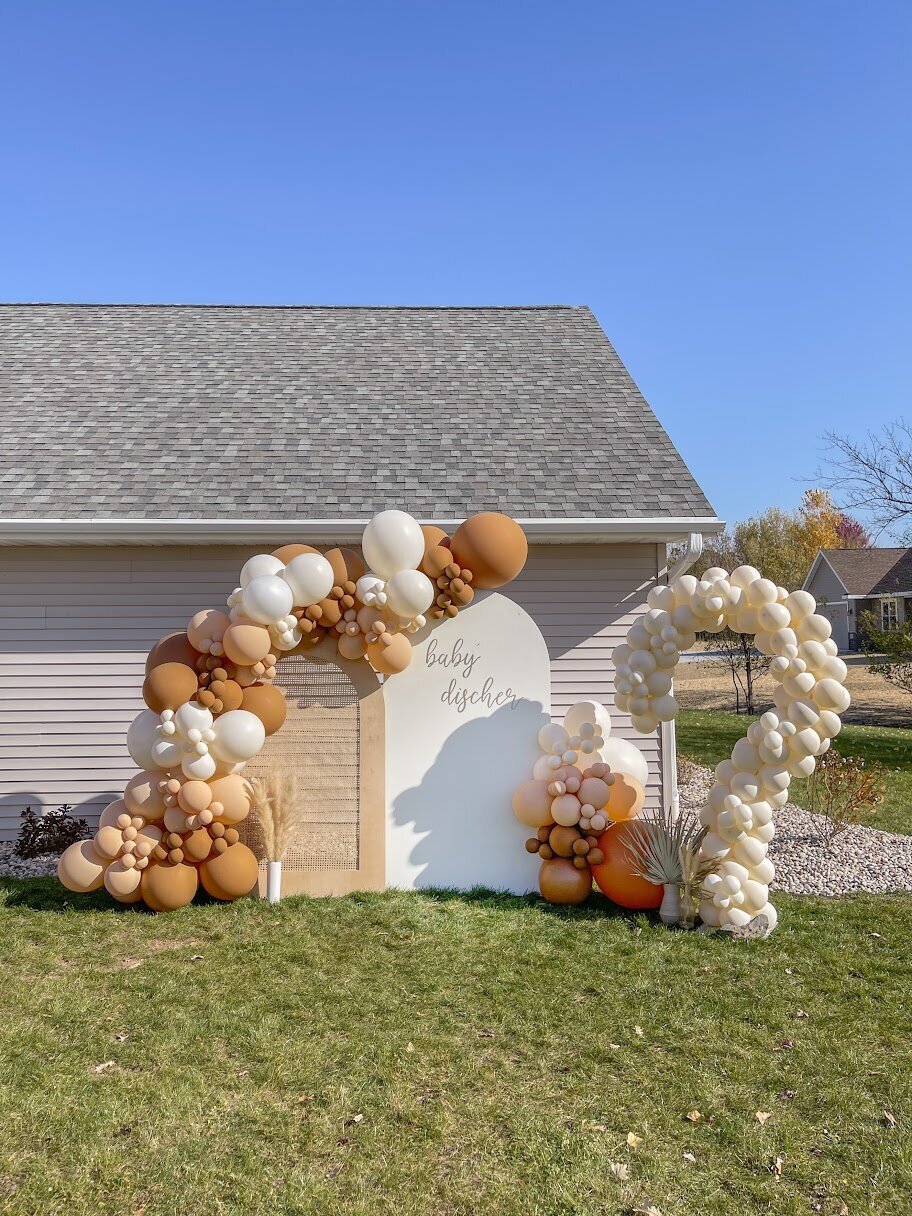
column 51, row 832
column 844, row 790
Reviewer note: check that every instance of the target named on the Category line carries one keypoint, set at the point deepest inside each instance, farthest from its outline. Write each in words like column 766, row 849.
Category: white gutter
column 144, row 531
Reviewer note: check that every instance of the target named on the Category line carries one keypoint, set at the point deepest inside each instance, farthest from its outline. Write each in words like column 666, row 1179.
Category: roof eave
column 141, row 531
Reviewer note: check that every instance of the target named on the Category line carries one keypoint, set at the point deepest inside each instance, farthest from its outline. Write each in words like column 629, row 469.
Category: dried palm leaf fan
column 667, row 852
column 278, row 808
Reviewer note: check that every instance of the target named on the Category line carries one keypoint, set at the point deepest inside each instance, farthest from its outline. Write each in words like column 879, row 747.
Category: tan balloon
column 626, row 798
column 268, row 703
column 207, row 626
column 246, row 644
column 123, row 882
column 560, row 882
column 197, row 845
column 390, row 654
column 194, row 796
column 81, row 868
column 231, row 874
column 435, row 561
column 144, row 795
column 167, row 887
column 287, row 552
column 173, row 648
column 492, row 546
column 532, row 804
column 170, row 685
column 108, row 842
column 112, row 812
column 595, row 792
column 232, row 793
column 352, row 646
column 347, row 565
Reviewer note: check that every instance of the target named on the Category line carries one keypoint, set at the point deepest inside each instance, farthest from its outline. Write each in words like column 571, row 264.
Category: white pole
column 274, row 881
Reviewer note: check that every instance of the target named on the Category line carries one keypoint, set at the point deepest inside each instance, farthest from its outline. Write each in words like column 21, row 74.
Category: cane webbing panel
column 320, row 742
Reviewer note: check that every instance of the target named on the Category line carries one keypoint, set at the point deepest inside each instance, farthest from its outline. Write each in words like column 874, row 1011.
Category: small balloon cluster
column 584, row 782
column 785, row 743
column 211, row 703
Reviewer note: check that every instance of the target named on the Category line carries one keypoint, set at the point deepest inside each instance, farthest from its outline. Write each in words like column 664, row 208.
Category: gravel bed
column 860, row 859
column 21, row 867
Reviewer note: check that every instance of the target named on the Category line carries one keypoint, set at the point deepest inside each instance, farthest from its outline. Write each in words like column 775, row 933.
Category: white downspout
column 667, row 731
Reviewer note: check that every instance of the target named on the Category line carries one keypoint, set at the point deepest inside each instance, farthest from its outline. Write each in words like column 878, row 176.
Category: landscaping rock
column 12, row 866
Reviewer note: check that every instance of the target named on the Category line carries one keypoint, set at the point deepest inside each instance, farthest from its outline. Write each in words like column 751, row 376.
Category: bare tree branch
column 875, row 475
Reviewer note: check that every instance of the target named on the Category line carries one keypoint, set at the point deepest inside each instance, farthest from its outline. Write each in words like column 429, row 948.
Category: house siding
column 827, row 589
column 76, row 624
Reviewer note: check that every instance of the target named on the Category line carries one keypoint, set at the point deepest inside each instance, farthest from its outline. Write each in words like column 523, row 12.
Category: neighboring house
column 848, row 583
column 149, row 450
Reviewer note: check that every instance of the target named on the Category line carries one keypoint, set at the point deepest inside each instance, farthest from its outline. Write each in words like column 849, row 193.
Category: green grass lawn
column 709, row 736
column 450, row 1055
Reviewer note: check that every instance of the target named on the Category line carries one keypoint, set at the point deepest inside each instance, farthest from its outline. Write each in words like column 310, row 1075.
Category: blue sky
column 726, row 184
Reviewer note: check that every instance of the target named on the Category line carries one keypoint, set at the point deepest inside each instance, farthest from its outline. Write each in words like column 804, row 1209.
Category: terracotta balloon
column 170, row 685
column 287, row 552
column 145, row 795
column 232, row 793
column 80, row 867
column 246, row 644
column 197, row 845
column 167, row 887
column 221, row 696
column 435, row 561
column 347, row 565
column 615, row 876
column 390, row 654
column 532, row 804
column 626, row 798
column 122, row 880
column 560, row 882
column 268, row 703
column 207, row 627
column 492, row 546
column 231, row 874
column 173, row 648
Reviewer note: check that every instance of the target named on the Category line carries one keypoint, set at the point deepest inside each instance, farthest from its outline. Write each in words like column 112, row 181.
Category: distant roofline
column 298, row 307
column 144, row 531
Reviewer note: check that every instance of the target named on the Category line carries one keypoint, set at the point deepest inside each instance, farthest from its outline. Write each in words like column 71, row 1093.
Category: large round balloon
column 492, row 546
column 532, row 804
column 259, row 565
column 615, row 874
column 391, row 653
column 142, row 737
column 230, row 798
column 246, row 644
column 231, row 874
column 310, row 578
column 287, row 552
column 625, row 798
column 624, row 757
column 169, row 685
column 267, row 599
column 409, row 593
column 268, row 703
column 167, row 887
column 347, row 565
column 207, row 628
column 81, row 868
column 173, row 648
column 587, row 711
column 392, row 541
column 560, row 882
column 145, row 796
column 122, row 880
column 239, row 735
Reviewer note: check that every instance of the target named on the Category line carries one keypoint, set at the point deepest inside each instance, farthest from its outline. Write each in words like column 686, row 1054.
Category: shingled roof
column 211, row 412
column 872, row 571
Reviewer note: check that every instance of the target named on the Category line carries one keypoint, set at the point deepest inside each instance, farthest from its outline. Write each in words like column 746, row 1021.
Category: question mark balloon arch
column 211, row 703
column 786, row 741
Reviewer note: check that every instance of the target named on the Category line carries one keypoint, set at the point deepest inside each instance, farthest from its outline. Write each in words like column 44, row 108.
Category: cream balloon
column 239, row 735
column 142, row 736
column 587, row 711
column 409, row 593
column 310, row 577
column 267, row 599
column 260, row 565
column 621, row 756
column 391, row 542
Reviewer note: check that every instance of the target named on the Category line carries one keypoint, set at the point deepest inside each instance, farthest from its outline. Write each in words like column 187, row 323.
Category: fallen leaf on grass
column 889, row 1119
column 103, row 1067
column 639, row 1031
column 615, row 1046
column 485, row 1034
column 693, row 1116
column 649, row 1209
column 354, row 1119
column 762, row 1116
column 620, row 1171
column 800, row 1013
column 195, row 958
column 875, row 935
column 410, row 1047
column 633, row 1139
column 777, row 1165
column 786, row 1045
column 596, row 1127
column 306, row 1098
column 689, row 1158
column 121, row 1036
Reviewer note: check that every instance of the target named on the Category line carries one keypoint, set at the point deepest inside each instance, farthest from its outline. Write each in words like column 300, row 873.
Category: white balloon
column 142, row 737
column 267, row 599
column 198, row 768
column 239, row 735
column 588, row 711
column 370, row 589
column 192, row 716
column 409, row 593
column 261, row 564
column 553, row 738
column 310, row 577
column 166, row 753
column 621, row 756
column 391, row 542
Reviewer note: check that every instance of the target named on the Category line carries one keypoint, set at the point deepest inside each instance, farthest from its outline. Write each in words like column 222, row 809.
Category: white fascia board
column 880, row 595
column 138, row 531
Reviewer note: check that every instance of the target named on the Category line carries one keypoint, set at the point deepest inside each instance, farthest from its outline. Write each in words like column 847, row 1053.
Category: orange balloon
column 560, row 882
column 231, row 874
column 625, row 799
column 287, row 552
column 347, row 565
column 391, row 653
column 268, row 703
column 435, row 561
column 492, row 546
column 166, row 887
column 170, row 685
column 615, row 874
column 246, row 644
column 122, row 881
column 173, row 648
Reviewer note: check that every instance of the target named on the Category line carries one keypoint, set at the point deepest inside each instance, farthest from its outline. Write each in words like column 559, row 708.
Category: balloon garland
column 211, row 703
column 783, row 744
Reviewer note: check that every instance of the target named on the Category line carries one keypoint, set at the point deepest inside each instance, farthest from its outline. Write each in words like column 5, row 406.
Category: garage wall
column 76, row 624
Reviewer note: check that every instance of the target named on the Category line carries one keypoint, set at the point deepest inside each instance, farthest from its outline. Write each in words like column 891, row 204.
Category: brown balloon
column 167, row 887
column 231, row 874
column 492, row 546
column 390, row 654
column 173, row 648
column 287, row 552
column 228, row 695
column 268, row 703
column 347, row 565
column 352, row 646
column 246, row 644
column 435, row 561
column 560, row 882
column 562, row 840
column 170, row 685
column 197, row 845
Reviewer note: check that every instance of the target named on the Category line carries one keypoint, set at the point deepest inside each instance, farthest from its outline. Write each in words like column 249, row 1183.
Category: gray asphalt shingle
column 197, row 412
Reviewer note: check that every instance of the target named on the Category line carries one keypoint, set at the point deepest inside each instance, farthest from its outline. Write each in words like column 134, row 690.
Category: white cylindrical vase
column 670, row 911
column 274, row 881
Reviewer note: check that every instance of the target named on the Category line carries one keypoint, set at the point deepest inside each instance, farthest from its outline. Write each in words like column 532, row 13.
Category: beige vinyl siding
column 76, row 624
